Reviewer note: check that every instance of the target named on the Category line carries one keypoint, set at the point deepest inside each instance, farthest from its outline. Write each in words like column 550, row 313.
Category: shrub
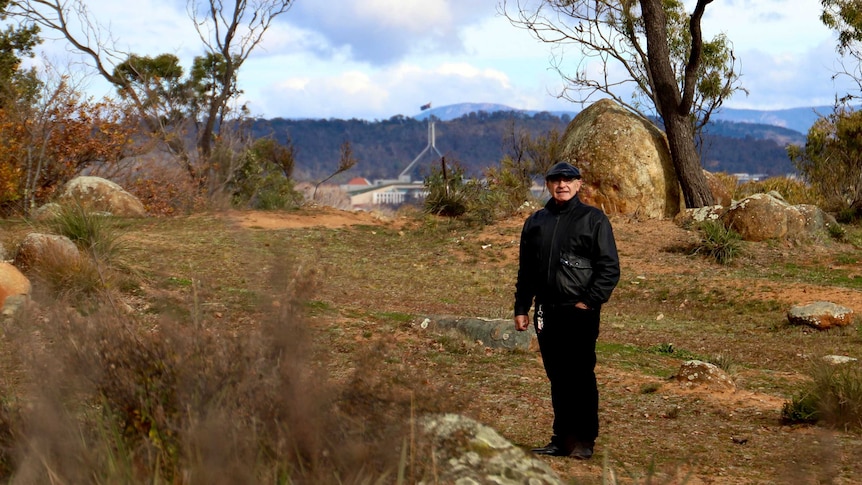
column 509, row 186
column 718, row 242
column 75, row 278
column 500, row 194
column 167, row 193
column 728, row 181
column 447, row 191
column 833, row 397
column 837, row 232
column 831, row 160
column 792, row 190
column 259, row 184
column 121, row 400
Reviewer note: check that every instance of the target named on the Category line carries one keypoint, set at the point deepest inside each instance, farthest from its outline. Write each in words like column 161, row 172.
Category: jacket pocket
column 574, row 275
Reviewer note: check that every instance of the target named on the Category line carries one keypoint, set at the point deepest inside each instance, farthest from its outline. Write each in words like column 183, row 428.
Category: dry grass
column 314, row 327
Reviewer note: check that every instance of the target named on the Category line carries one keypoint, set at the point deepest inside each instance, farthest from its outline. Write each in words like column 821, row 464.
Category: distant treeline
column 479, row 140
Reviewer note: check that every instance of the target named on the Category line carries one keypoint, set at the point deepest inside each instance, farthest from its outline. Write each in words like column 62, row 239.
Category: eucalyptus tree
column 845, row 18
column 16, row 43
column 229, row 32
column 649, row 56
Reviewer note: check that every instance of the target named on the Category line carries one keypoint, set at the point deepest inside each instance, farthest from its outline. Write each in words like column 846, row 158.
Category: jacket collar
column 566, row 206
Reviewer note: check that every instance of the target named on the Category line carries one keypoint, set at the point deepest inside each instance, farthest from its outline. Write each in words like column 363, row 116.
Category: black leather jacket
column 567, row 255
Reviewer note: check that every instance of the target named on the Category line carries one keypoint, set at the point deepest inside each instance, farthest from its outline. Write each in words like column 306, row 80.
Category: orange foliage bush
column 44, row 146
column 167, row 196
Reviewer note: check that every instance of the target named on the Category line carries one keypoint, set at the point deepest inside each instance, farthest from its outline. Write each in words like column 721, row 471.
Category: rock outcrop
column 696, row 373
column 37, row 248
column 494, row 333
column 821, row 315
column 760, row 217
column 469, row 452
column 625, row 162
column 100, row 195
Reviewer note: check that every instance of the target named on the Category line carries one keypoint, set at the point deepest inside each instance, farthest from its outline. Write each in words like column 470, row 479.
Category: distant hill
column 454, row 111
column 796, row 119
column 481, row 138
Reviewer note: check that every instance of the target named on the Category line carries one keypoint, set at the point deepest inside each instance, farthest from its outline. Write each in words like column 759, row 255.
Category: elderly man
column 569, row 267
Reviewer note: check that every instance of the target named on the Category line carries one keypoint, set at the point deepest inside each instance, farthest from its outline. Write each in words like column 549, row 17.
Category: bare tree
column 652, row 58
column 230, row 31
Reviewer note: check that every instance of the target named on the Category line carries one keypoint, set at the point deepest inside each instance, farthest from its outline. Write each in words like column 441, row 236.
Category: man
column 569, row 265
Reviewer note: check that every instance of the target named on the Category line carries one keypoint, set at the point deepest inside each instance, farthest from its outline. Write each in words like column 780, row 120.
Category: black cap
column 563, row 170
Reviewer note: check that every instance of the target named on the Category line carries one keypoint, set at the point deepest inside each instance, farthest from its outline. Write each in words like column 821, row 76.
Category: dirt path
column 316, row 217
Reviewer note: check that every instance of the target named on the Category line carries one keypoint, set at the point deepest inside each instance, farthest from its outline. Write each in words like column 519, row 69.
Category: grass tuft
column 717, row 242
column 832, row 398
column 93, row 232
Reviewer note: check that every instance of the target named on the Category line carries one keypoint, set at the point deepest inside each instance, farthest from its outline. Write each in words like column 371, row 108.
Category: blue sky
column 373, row 59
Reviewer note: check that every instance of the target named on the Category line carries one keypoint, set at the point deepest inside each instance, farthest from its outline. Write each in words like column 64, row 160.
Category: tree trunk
column 680, row 138
column 674, row 108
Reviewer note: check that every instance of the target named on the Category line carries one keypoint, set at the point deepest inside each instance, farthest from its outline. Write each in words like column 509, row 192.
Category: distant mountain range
column 796, row 119
column 477, row 136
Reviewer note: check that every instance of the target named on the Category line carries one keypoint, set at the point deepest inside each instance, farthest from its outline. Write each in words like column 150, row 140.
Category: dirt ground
column 636, row 241
column 646, row 248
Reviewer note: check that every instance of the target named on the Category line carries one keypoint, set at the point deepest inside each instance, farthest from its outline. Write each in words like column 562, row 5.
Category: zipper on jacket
column 551, row 249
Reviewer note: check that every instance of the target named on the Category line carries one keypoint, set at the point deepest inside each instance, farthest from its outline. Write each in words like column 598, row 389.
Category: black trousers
column 567, row 341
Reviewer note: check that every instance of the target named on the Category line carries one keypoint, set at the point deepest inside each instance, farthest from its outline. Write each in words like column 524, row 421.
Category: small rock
column 820, row 315
column 838, row 359
column 696, row 373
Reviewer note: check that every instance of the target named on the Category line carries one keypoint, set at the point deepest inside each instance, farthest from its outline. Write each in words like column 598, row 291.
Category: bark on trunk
column 680, row 138
column 675, row 109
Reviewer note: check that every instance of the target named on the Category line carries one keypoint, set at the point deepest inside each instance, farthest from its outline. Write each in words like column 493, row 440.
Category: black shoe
column 582, row 452
column 551, row 449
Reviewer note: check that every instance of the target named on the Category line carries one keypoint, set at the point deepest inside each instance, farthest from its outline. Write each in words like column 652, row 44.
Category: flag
column 425, row 106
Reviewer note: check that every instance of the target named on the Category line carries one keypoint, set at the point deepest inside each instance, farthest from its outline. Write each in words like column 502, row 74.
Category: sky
column 374, row 59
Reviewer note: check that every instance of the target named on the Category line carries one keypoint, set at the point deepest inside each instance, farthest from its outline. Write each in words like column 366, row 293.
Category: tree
column 660, row 52
column 156, row 83
column 831, row 161
column 16, row 43
column 845, row 17
column 230, row 31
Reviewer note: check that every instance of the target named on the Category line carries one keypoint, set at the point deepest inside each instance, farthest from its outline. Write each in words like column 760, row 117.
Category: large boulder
column 625, row 160
column 100, row 195
column 45, row 249
column 759, row 217
column 814, row 219
column 467, row 452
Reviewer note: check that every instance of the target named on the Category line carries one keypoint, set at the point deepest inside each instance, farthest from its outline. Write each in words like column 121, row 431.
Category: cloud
column 779, row 81
column 382, row 32
column 383, row 93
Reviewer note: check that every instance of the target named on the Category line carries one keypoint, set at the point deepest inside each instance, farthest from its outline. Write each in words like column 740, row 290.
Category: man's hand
column 522, row 322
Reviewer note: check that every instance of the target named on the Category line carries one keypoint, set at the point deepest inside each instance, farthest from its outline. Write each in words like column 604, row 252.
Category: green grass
column 817, row 274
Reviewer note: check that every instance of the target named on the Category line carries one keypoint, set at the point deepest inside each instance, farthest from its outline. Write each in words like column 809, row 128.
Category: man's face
column 563, row 189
